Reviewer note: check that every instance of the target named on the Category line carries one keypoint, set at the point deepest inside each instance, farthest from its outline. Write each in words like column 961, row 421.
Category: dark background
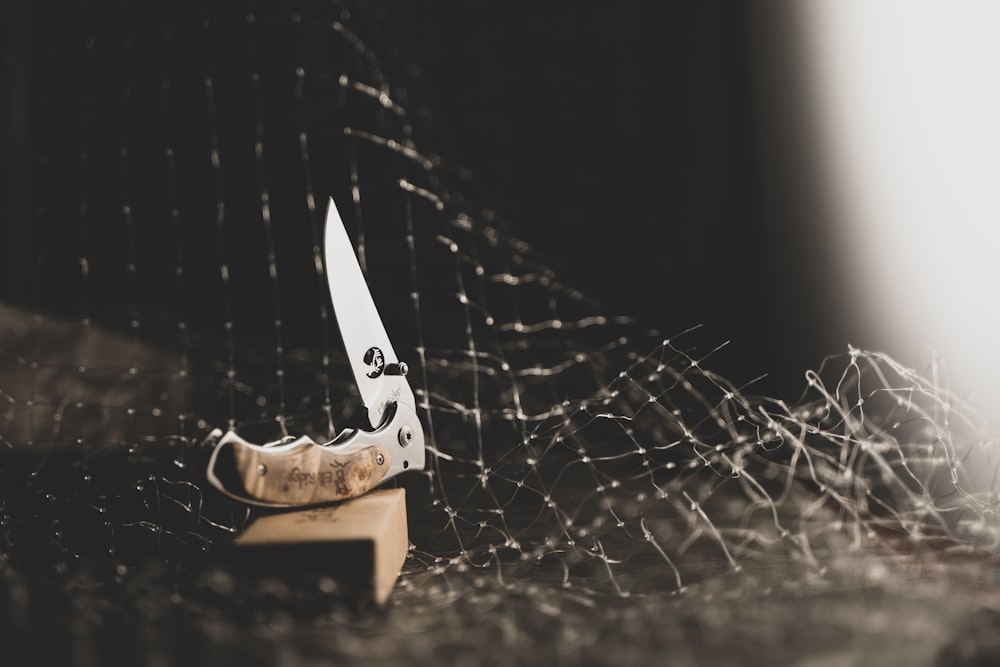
column 626, row 142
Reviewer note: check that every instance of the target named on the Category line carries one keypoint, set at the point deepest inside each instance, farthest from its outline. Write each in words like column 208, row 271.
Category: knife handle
column 298, row 473
column 303, row 472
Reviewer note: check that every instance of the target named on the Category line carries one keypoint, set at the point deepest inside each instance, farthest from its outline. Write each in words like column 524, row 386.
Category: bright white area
column 907, row 96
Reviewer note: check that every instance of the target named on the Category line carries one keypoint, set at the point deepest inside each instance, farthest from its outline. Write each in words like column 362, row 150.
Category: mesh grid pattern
column 172, row 288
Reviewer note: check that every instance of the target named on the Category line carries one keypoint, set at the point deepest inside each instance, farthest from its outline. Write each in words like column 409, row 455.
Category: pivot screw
column 405, row 436
column 262, row 469
column 379, row 459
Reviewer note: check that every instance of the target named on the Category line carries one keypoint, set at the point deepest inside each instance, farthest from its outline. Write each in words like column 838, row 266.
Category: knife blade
column 377, row 370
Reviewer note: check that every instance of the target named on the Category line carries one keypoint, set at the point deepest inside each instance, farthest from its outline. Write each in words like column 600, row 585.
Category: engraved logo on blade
column 375, row 361
column 389, row 400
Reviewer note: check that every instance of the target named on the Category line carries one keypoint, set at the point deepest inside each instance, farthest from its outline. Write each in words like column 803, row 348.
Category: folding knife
column 303, row 472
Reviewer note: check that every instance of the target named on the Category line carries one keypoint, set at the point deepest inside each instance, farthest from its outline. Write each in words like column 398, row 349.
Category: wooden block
column 361, row 538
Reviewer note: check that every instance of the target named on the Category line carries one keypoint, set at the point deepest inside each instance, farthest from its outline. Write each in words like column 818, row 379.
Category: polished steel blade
column 372, row 358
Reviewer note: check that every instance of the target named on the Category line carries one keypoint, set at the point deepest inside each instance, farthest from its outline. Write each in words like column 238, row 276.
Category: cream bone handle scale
column 303, row 472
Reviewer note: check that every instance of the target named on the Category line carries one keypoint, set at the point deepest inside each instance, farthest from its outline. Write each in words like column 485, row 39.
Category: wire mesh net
column 168, row 286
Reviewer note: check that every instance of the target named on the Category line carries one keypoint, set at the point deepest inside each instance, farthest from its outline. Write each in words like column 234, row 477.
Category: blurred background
column 794, row 176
